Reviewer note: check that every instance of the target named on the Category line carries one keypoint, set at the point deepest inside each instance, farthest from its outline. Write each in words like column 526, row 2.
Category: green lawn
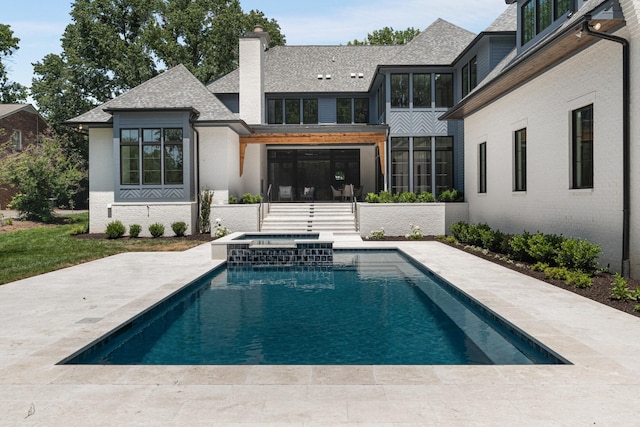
column 27, row 253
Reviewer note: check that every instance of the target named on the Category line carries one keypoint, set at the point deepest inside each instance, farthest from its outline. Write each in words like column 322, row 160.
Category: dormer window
column 538, row 15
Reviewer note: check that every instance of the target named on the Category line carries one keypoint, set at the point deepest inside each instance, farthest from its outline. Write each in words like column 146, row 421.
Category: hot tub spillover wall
column 270, row 250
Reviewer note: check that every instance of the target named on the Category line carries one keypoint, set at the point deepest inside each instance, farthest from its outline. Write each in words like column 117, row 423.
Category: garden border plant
column 572, row 260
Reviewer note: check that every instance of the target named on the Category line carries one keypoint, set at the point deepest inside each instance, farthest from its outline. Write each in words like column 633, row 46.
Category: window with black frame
column 582, row 147
column 520, row 160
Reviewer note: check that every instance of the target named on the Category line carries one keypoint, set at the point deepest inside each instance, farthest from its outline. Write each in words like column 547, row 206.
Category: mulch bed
column 600, row 291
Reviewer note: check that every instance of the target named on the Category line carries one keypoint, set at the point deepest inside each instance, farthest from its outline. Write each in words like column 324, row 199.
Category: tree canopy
column 10, row 92
column 114, row 45
column 387, row 36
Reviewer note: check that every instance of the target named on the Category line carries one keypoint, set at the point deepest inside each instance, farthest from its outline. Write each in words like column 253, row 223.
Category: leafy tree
column 39, row 172
column 203, row 35
column 10, row 92
column 387, row 36
column 114, row 45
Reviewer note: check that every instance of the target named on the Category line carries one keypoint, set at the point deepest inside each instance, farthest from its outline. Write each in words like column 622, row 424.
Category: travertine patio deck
column 46, row 318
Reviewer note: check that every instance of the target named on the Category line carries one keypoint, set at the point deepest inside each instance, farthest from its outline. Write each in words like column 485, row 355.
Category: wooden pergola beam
column 377, row 138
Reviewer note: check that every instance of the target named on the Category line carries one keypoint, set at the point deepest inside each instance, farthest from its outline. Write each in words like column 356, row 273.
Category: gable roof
column 518, row 67
column 296, row 69
column 507, row 21
column 9, row 109
column 175, row 89
column 439, row 44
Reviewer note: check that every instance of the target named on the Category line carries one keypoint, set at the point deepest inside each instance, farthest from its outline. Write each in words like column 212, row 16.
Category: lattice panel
column 130, row 194
column 400, row 122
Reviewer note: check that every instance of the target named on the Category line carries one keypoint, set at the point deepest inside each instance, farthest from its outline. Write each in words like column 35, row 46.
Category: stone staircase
column 303, row 217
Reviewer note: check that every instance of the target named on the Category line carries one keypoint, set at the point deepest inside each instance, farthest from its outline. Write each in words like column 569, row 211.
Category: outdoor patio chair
column 337, row 194
column 285, row 192
column 307, row 194
column 347, row 193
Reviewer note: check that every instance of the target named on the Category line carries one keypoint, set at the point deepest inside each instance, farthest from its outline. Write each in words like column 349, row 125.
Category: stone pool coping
column 46, row 318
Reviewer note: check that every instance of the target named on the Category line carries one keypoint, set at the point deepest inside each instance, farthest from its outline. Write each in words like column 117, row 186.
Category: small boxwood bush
column 451, row 195
column 425, row 197
column 406, row 197
column 578, row 254
column 544, row 247
column 134, row 230
column 250, row 199
column 156, row 230
column 179, row 228
column 115, row 229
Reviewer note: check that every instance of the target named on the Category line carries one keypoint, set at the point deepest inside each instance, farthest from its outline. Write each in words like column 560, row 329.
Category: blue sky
column 40, row 23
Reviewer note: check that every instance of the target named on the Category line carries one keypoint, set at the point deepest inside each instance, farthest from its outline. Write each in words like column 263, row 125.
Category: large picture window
column 352, row 110
column 310, row 111
column 343, row 110
column 151, row 157
column 173, row 160
column 582, row 147
column 469, row 76
column 444, row 90
column 129, row 157
column 422, row 90
column 421, row 164
column 538, row 15
column 520, row 160
column 399, row 164
column 399, row 90
column 292, row 111
column 444, row 163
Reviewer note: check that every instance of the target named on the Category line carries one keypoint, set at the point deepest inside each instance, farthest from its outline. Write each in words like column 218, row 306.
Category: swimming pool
column 369, row 308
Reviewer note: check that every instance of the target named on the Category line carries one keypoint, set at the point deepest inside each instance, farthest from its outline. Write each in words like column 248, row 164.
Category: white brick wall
column 544, row 107
column 433, row 218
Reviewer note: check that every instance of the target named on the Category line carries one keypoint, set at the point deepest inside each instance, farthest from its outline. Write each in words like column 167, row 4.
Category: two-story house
column 290, row 118
column 550, row 136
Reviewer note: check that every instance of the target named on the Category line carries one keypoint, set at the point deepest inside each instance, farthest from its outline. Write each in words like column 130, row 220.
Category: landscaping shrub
column 425, row 197
column 372, row 198
column 79, row 229
column 579, row 279
column 475, row 232
column 250, row 199
column 491, row 239
column 115, row 229
column 204, row 220
column 458, row 229
column 559, row 273
column 518, row 247
column 416, row 232
column 233, row 200
column 406, row 197
column 179, row 228
column 134, row 230
column 156, row 230
column 385, row 197
column 377, row 234
column 620, row 289
column 544, row 247
column 578, row 254
column 539, row 266
column 451, row 195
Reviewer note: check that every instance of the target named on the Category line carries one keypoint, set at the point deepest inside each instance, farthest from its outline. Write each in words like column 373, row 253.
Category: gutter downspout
column 197, row 171
column 626, row 139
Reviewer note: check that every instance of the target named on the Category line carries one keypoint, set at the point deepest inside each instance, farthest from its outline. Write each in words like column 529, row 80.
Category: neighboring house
column 551, row 135
column 20, row 125
column 293, row 117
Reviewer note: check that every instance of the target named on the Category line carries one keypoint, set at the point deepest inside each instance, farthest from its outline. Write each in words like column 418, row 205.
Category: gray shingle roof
column 174, row 89
column 439, row 44
column 508, row 21
column 9, row 109
column 295, row 69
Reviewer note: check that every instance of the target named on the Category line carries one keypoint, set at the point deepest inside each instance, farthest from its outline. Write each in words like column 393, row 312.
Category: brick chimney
column 253, row 45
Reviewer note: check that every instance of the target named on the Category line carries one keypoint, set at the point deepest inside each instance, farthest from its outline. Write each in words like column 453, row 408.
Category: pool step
column 336, row 217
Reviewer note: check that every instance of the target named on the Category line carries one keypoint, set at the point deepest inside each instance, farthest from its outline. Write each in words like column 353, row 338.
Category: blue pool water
column 370, row 308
